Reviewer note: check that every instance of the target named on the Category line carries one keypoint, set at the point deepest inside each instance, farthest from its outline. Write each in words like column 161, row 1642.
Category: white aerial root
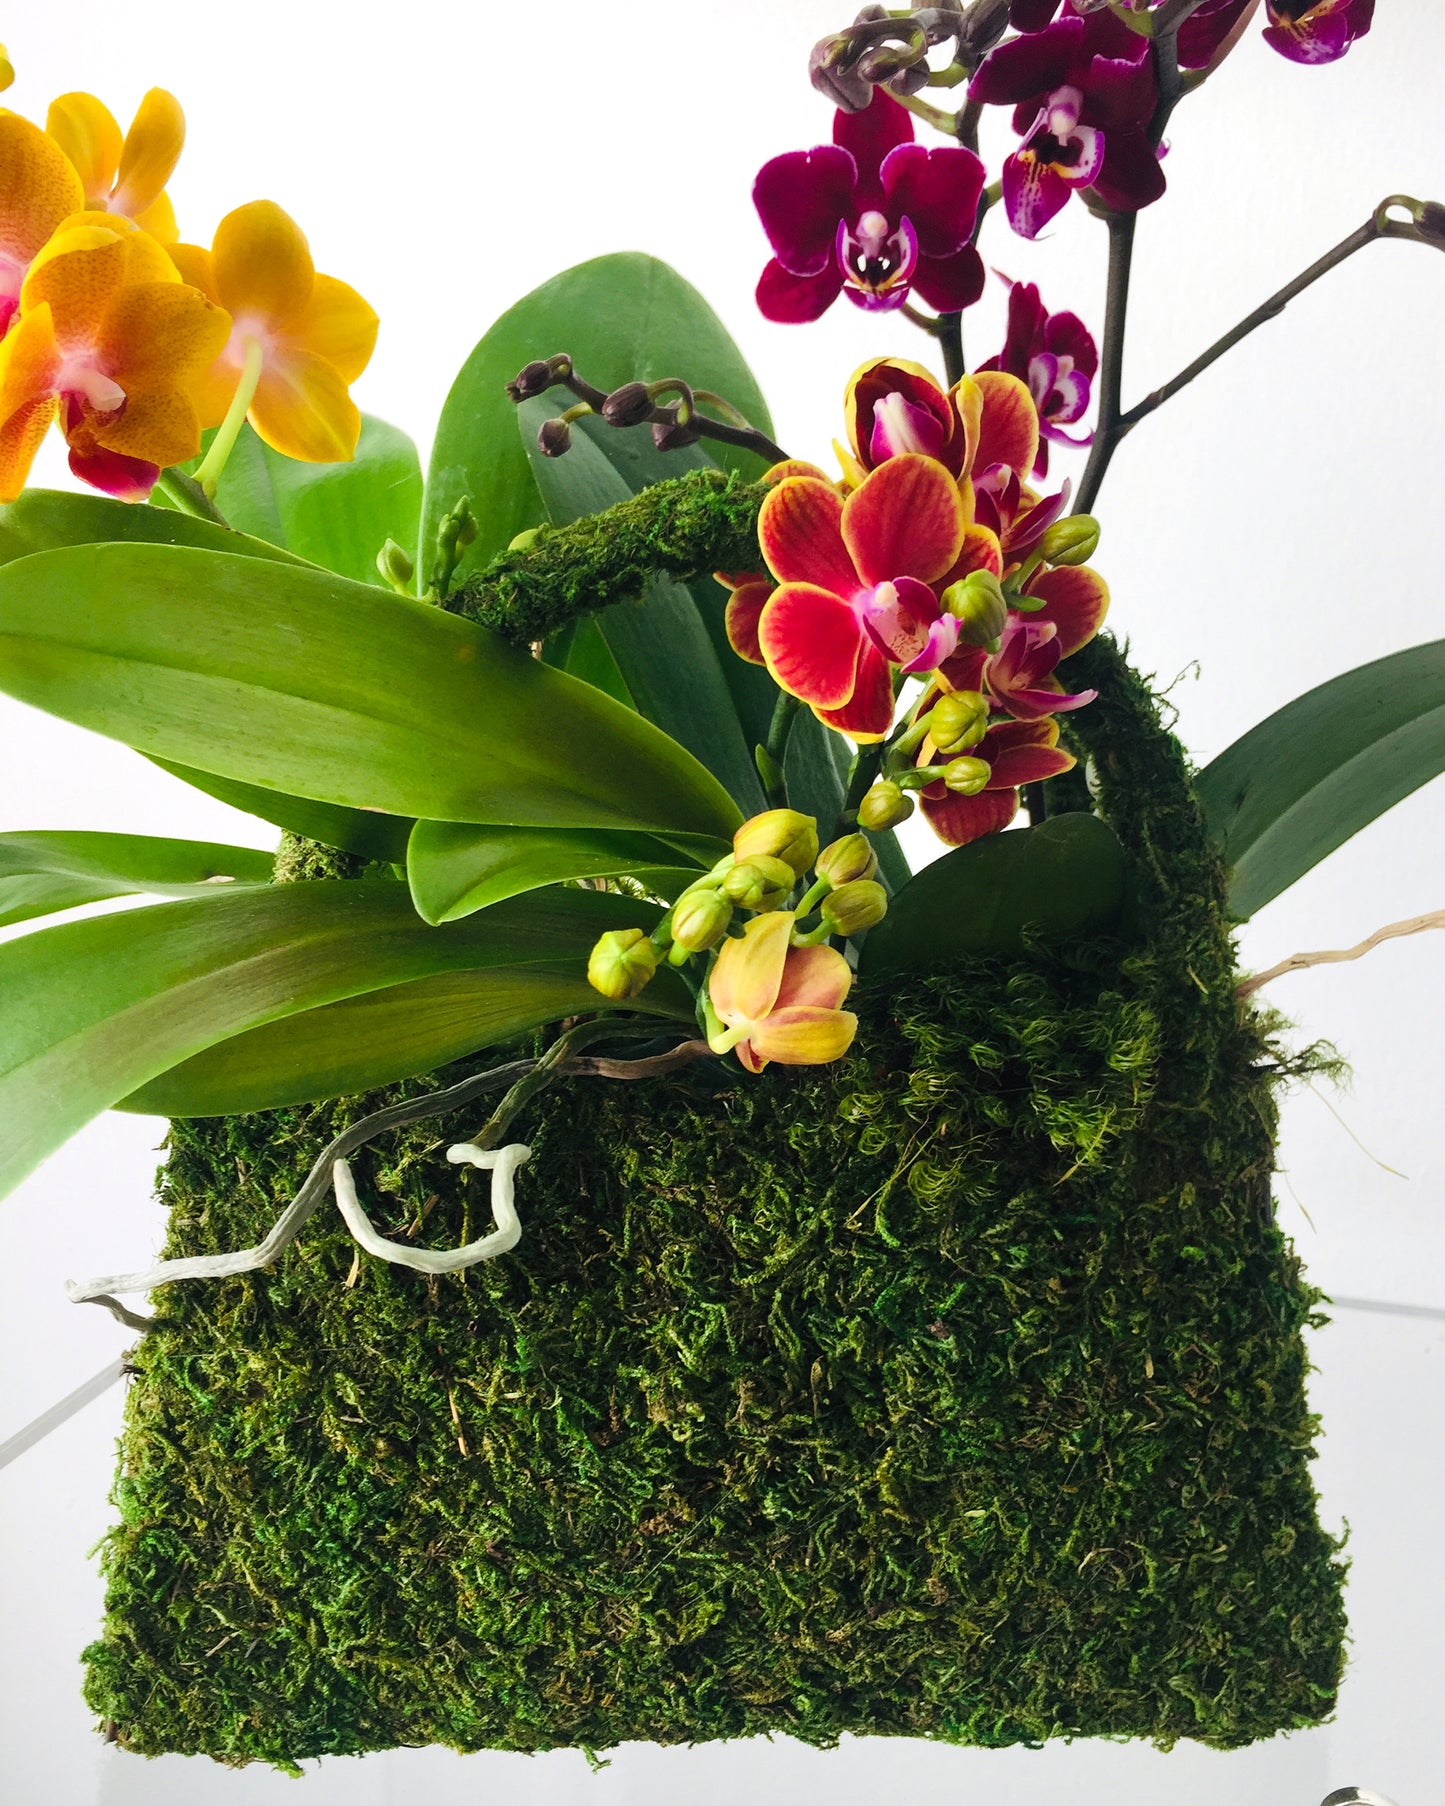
column 1298, row 962
column 503, row 1163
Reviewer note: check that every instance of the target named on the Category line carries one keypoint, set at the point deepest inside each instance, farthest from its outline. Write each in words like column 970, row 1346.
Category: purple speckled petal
column 800, row 197
column 1323, row 39
column 1033, row 192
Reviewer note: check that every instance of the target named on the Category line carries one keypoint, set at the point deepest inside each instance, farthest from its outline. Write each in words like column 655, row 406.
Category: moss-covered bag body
column 955, row 1391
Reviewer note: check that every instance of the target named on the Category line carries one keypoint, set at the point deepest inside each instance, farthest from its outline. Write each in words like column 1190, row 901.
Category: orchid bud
column 672, row 435
column 977, row 602
column 700, row 919
column 829, row 75
column 958, row 720
column 523, row 541
column 784, row 834
column 1070, row 541
column 884, row 806
column 966, row 777
column 532, row 379
column 847, row 859
column 759, row 883
column 621, row 963
column 554, row 438
column 7, row 68
column 396, row 567
column 855, row 906
column 628, row 406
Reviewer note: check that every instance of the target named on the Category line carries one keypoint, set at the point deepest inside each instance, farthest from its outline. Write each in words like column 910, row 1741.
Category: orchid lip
column 878, row 260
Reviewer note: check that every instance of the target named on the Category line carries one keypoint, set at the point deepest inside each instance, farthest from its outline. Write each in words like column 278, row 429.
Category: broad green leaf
column 1059, row 880
column 457, row 867
column 96, row 1009
column 658, row 642
column 366, row 832
column 1298, row 785
column 580, row 650
column 293, row 679
column 44, row 872
column 39, row 520
column 619, row 317
column 375, row 1039
column 335, row 515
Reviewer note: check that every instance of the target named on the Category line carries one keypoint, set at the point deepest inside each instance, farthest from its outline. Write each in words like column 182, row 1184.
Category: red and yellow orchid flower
column 1016, row 752
column 892, row 406
column 854, row 597
column 110, row 339
column 123, row 173
column 38, row 189
column 774, row 1001
column 298, row 339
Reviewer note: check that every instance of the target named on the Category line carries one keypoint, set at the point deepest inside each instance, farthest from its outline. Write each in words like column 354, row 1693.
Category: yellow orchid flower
column 7, row 69
column 38, row 189
column 113, row 342
column 123, row 174
column 298, row 340
column 770, row 1000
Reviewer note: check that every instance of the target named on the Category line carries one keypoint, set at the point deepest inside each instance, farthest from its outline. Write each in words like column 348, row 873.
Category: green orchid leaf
column 1060, row 880
column 620, row 317
column 291, row 678
column 40, row 520
column 1298, row 785
column 366, row 832
column 379, row 1039
column 580, row 650
column 95, row 1010
column 658, row 643
column 44, row 872
column 456, row 868
column 335, row 515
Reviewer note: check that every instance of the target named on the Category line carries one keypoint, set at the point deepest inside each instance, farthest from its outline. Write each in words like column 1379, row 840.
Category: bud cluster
column 891, row 50
column 771, row 858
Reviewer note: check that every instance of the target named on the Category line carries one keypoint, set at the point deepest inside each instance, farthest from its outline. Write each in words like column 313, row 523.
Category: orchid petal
column 38, row 189
column 127, row 479
column 957, row 820
column 748, row 972
column 810, row 638
column 1033, row 192
column 1076, row 600
column 905, row 521
column 336, row 324
column 1067, row 336
column 30, row 362
column 151, row 151
column 795, row 300
column 950, row 283
column 1030, row 65
column 744, row 607
column 85, row 129
column 800, row 531
column 161, row 335
column 302, row 410
column 157, row 427
column 814, row 978
column 1009, row 423
column 939, row 190
column 262, row 264
column 77, row 275
column 883, row 378
column 868, row 136
column 800, row 198
column 801, row 1036
column 868, row 713
column 1132, row 176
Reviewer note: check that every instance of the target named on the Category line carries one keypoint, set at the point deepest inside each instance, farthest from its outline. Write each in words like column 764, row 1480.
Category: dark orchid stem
column 186, row 495
column 748, row 438
column 1036, row 803
column 950, row 338
column 1167, row 23
column 1381, row 224
column 1111, row 364
column 774, row 756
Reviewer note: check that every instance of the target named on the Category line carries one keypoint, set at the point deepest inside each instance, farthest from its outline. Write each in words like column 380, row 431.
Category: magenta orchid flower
column 1015, row 677
column 1056, row 357
column 1083, row 93
column 872, row 215
column 855, row 593
column 1316, row 33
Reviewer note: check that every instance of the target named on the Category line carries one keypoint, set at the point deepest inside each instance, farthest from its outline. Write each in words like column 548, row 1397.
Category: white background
column 1278, row 523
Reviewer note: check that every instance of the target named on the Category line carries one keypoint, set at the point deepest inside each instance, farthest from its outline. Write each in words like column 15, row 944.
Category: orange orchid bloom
column 38, row 189
column 774, row 1001
column 298, row 339
column 123, row 174
column 110, row 339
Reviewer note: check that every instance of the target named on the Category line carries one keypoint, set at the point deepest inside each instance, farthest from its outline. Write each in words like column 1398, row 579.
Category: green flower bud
column 700, row 919
column 854, row 906
column 1070, row 541
column 884, row 806
column 846, row 859
column 621, row 963
column 524, row 540
column 395, row 567
column 779, row 834
column 967, row 776
column 759, row 883
column 958, row 720
column 977, row 601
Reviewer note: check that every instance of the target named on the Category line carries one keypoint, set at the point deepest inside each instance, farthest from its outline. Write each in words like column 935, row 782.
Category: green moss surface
column 956, row 1390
